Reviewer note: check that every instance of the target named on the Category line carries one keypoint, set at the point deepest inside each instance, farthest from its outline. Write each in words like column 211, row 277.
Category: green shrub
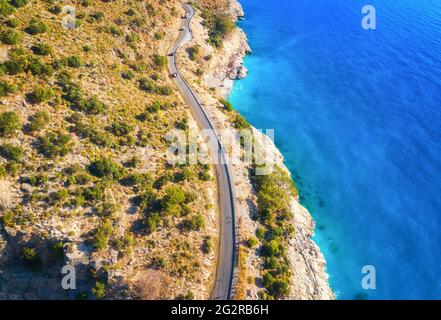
column 174, row 196
column 207, row 245
column 36, row 26
column 194, row 223
column 106, row 209
column 39, row 121
column 57, row 250
column 74, row 62
column 241, row 123
column 128, row 75
column 102, row 235
column 113, row 30
column 56, row 9
column 42, row 49
column 160, row 61
column 121, row 129
column 2, row 171
column 13, row 23
column 7, row 88
column 193, row 52
column 99, row 290
column 29, row 254
column 150, row 86
column 39, row 68
column 11, row 152
column 94, row 193
column 42, row 94
column 10, row 37
column 55, row 144
column 18, row 3
column 9, row 124
column 125, row 243
column 6, row 8
column 92, row 106
column 106, row 168
column 86, row 3
column 152, row 222
column 252, row 242
column 226, row 104
column 96, row 17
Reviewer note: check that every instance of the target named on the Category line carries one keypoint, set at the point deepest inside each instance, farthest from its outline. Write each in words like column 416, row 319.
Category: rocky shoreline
column 310, row 280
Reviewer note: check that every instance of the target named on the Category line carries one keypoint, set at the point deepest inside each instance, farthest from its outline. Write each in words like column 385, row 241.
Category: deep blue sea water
column 357, row 114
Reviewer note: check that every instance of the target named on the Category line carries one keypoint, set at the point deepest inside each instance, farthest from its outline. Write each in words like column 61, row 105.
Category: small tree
column 11, row 152
column 42, row 49
column 74, row 62
column 10, row 37
column 106, row 168
column 55, row 144
column 99, row 290
column 42, row 94
column 39, row 121
column 36, row 26
column 9, row 124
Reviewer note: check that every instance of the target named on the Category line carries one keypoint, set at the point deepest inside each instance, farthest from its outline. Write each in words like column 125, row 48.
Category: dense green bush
column 94, row 193
column 219, row 26
column 55, row 144
column 74, row 62
column 7, row 88
column 42, row 49
column 39, row 68
column 92, row 106
column 226, row 104
column 152, row 222
column 106, row 168
column 18, row 3
column 128, row 75
column 241, row 123
column 13, row 22
column 2, row 171
column 159, row 61
column 9, row 124
column 194, row 223
column 39, row 121
column 42, row 94
column 194, row 52
column 102, row 235
column 36, row 26
column 56, row 9
column 121, row 129
column 9, row 36
column 252, row 242
column 29, row 254
column 6, row 8
column 150, row 86
column 99, row 290
column 96, row 17
column 11, row 152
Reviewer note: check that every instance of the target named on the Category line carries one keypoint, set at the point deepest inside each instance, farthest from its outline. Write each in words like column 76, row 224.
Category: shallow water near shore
column 357, row 116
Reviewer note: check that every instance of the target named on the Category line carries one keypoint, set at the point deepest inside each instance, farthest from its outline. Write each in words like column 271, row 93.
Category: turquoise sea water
column 357, row 115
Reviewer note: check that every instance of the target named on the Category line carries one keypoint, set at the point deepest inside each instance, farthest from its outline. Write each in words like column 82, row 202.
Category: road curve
column 227, row 255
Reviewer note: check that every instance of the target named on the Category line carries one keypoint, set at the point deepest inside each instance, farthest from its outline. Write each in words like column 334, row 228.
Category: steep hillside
column 85, row 108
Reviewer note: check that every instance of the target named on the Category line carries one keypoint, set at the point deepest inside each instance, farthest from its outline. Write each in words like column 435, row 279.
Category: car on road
column 171, row 54
column 182, row 29
column 174, row 75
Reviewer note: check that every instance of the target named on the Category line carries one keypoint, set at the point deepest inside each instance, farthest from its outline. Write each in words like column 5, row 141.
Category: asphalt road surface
column 226, row 259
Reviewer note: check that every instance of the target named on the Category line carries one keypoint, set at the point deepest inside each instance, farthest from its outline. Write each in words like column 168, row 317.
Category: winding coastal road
column 227, row 254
